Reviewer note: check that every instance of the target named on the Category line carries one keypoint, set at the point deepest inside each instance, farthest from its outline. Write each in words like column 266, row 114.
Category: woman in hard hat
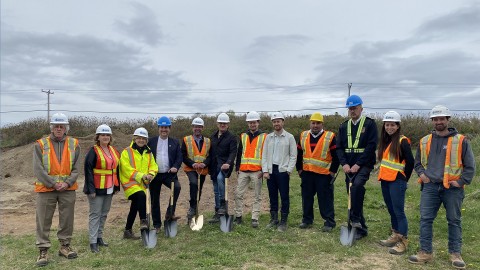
column 396, row 165
column 137, row 169
column 101, row 182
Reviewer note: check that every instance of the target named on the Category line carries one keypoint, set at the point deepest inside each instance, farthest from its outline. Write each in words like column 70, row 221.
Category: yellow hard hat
column 316, row 116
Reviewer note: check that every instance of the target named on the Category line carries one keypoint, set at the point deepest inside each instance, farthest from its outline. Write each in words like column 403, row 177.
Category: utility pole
column 48, row 92
column 349, row 87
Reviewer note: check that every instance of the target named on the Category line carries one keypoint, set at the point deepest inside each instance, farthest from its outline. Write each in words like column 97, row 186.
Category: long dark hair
column 386, row 139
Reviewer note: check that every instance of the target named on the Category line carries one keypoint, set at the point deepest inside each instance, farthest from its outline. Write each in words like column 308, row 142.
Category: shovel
column 149, row 237
column 170, row 224
column 197, row 221
column 347, row 233
column 226, row 223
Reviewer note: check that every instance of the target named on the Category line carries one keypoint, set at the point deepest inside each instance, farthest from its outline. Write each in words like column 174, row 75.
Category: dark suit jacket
column 174, row 153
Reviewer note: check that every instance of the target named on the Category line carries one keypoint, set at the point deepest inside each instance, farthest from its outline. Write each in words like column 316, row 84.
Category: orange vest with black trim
column 196, row 155
column 60, row 171
column 391, row 165
column 453, row 160
column 252, row 152
column 105, row 176
column 320, row 159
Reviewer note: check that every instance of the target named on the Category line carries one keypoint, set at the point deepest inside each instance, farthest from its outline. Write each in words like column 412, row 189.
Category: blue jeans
column 218, row 188
column 279, row 183
column 394, row 197
column 433, row 195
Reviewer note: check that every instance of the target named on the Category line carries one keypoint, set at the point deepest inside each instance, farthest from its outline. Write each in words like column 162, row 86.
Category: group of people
column 149, row 163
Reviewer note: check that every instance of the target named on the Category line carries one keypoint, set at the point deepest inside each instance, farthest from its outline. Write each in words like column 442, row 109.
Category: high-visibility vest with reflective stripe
column 391, row 165
column 453, row 160
column 105, row 176
column 60, row 171
column 320, row 159
column 252, row 152
column 353, row 147
column 133, row 166
column 196, row 155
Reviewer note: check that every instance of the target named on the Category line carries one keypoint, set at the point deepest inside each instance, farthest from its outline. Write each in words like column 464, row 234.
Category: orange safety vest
column 320, row 159
column 196, row 155
column 252, row 152
column 105, row 176
column 453, row 160
column 60, row 171
column 391, row 165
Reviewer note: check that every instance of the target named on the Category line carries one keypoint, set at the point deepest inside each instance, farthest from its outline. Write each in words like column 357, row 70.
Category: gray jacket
column 436, row 159
column 286, row 149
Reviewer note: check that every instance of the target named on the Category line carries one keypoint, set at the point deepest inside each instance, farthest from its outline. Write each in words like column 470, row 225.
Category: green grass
column 248, row 248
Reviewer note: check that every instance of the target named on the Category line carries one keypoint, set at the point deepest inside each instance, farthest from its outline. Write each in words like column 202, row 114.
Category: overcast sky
column 137, row 59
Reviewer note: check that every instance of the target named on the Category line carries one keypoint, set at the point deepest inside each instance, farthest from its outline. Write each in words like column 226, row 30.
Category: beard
column 440, row 127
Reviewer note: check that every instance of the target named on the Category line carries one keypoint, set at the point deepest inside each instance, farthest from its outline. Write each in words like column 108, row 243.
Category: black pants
column 138, row 205
column 279, row 183
column 155, row 189
column 319, row 184
column 193, row 181
column 358, row 196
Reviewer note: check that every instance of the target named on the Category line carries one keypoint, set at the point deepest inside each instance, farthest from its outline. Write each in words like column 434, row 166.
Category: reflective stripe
column 104, row 172
column 320, row 159
column 252, row 152
column 357, row 150
column 357, row 136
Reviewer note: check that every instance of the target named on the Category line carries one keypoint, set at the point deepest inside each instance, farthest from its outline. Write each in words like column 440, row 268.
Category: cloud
column 142, row 27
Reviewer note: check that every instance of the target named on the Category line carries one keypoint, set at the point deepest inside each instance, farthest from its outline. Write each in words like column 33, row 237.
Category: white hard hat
column 142, row 132
column 253, row 116
column 103, row 129
column 59, row 118
column 392, row 116
column 223, row 118
column 197, row 122
column 440, row 110
column 277, row 115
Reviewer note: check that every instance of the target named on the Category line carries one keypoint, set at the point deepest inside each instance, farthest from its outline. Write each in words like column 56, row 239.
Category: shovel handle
column 172, row 185
column 226, row 189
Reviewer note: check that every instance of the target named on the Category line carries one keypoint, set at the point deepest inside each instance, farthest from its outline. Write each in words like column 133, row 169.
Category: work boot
column 273, row 220
column 391, row 240
column 421, row 257
column 357, row 225
column 143, row 224
column 215, row 218
column 254, row 223
column 283, row 223
column 238, row 220
column 42, row 259
column 457, row 261
column 101, row 243
column 304, row 225
column 400, row 247
column 67, row 252
column 223, row 208
column 128, row 234
column 94, row 248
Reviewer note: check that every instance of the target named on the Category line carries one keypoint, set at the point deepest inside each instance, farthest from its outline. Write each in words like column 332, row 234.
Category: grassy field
column 248, row 248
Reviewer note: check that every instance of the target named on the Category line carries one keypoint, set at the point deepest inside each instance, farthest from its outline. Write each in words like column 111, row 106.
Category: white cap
column 223, row 118
column 59, row 119
column 103, row 129
column 253, row 116
column 197, row 122
column 277, row 115
column 392, row 116
column 440, row 110
column 142, row 132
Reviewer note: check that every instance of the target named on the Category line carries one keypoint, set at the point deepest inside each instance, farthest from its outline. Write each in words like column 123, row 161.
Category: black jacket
column 223, row 150
column 174, row 152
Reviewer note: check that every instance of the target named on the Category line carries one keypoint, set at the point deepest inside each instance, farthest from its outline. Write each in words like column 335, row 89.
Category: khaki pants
column 244, row 179
column 46, row 204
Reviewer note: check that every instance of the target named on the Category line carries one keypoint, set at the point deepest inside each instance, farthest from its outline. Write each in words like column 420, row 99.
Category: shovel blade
column 226, row 223
column 197, row 224
column 347, row 235
column 149, row 238
column 170, row 228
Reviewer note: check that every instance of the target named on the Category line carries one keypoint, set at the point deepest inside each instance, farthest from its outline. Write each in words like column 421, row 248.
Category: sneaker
column 67, row 252
column 190, row 213
column 128, row 234
column 255, row 223
column 304, row 225
column 273, row 224
column 214, row 219
column 282, row 227
column 457, row 261
column 42, row 259
column 391, row 240
column 327, row 228
column 238, row 220
column 357, row 225
column 421, row 257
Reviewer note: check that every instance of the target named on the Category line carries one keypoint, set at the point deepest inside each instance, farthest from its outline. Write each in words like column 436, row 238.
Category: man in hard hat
column 168, row 156
column 317, row 164
column 443, row 175
column 55, row 166
column 195, row 149
column 279, row 156
column 222, row 155
column 249, row 167
column 356, row 145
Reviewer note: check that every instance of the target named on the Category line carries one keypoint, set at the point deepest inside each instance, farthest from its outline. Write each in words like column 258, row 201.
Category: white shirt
column 162, row 155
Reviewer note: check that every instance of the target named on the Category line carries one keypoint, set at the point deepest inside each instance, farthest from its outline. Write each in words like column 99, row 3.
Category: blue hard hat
column 164, row 122
column 353, row 100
